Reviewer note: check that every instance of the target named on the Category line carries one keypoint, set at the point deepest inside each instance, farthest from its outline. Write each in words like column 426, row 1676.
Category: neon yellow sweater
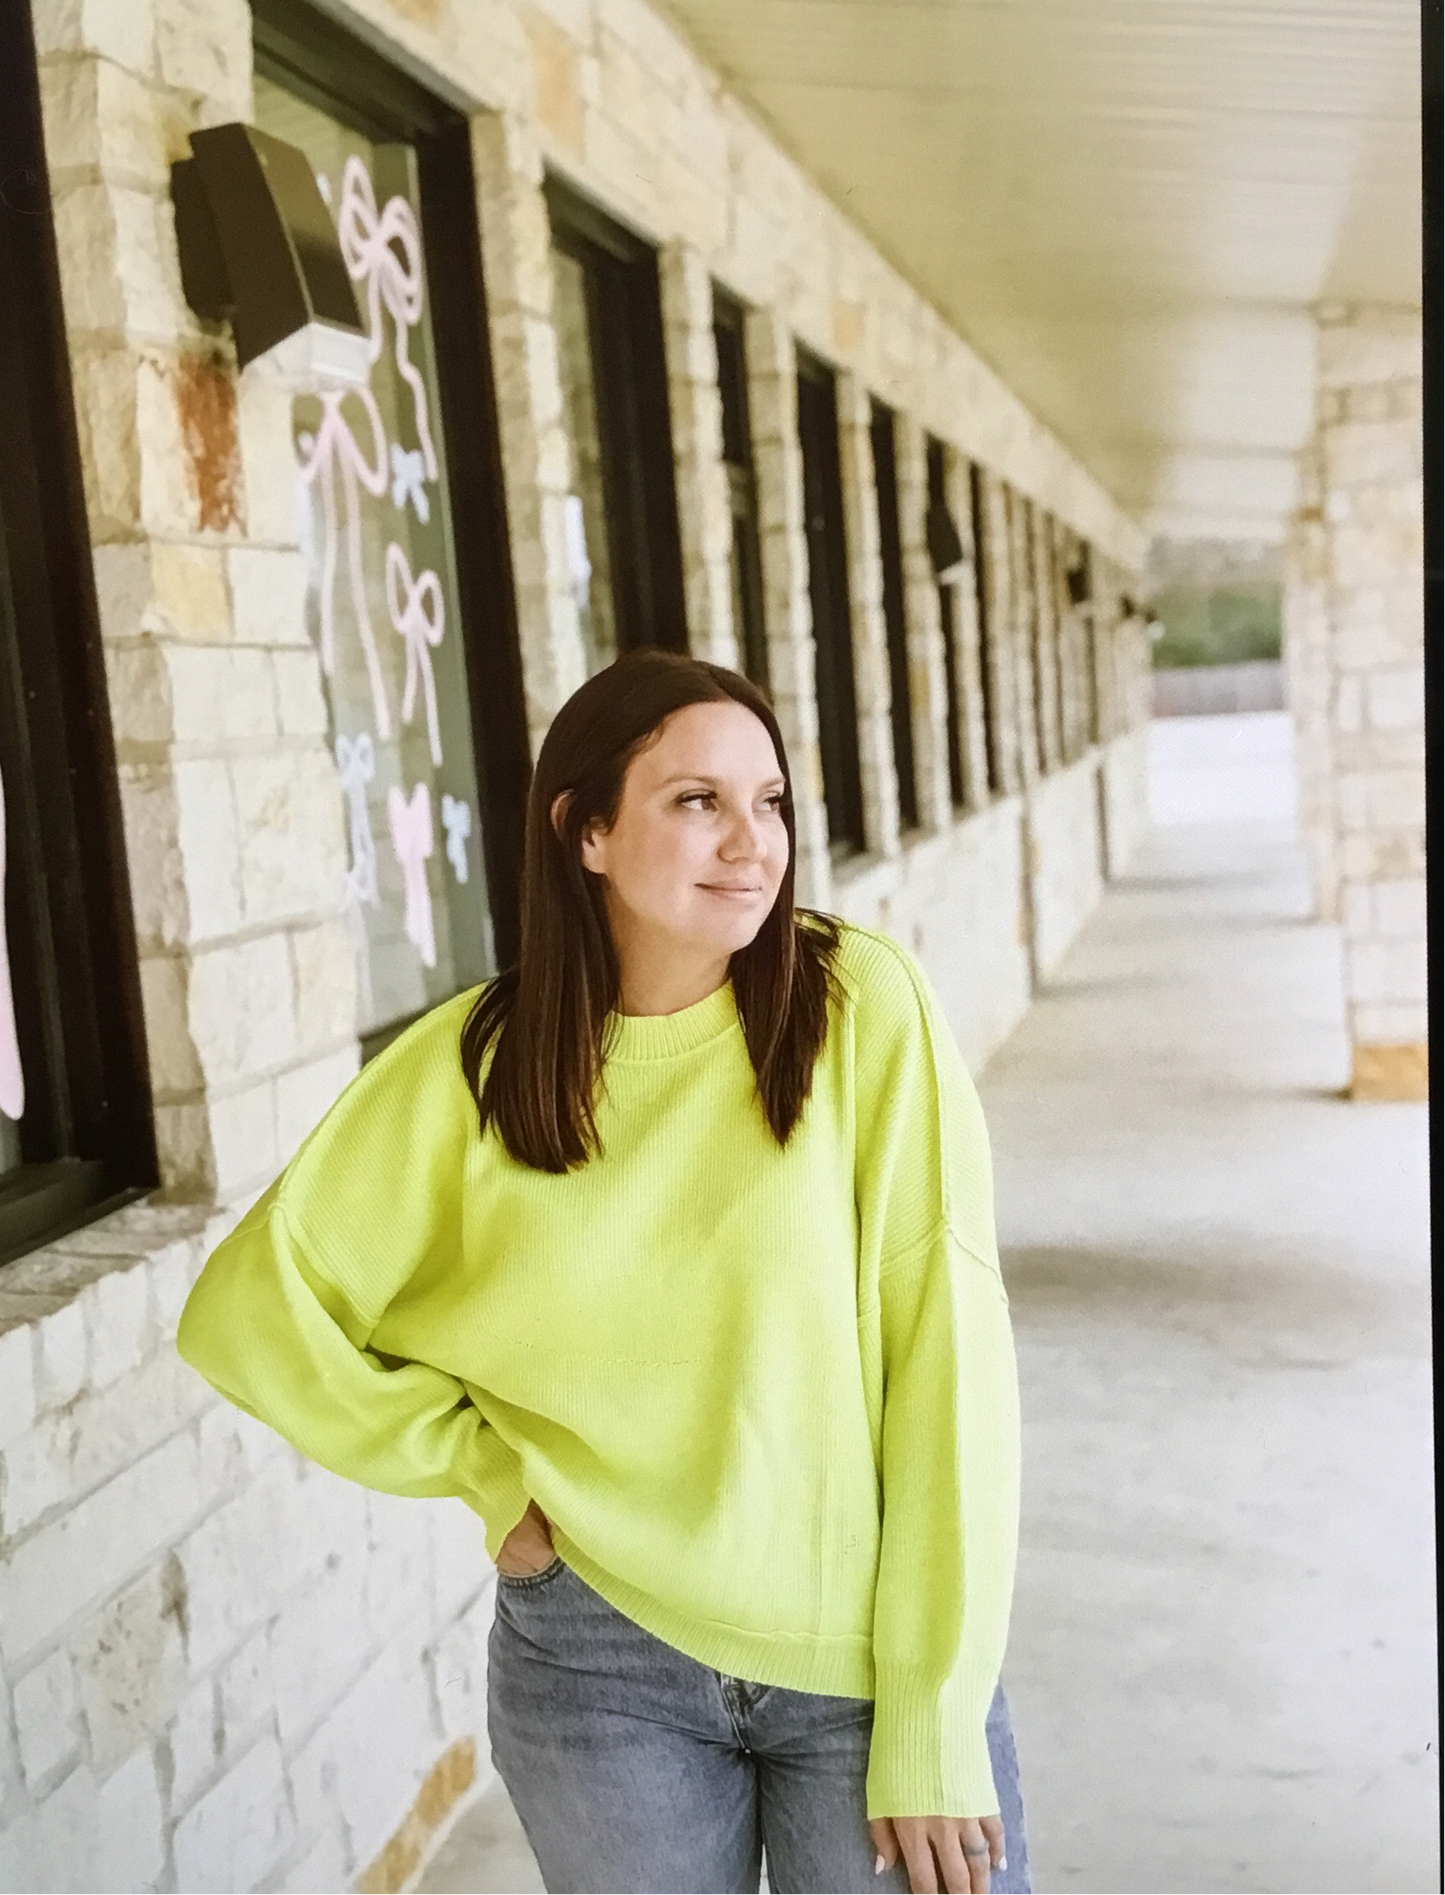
column 767, row 1397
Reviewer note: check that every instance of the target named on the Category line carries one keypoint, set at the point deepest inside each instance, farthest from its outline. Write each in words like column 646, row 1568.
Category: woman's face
column 699, row 847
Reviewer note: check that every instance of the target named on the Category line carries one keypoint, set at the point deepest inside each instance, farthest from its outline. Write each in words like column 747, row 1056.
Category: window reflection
column 587, row 553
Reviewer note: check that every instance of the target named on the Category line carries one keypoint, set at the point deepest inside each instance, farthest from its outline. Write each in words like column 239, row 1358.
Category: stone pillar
column 704, row 510
column 536, row 470
column 787, row 607
column 927, row 672
column 999, row 656
column 972, row 723
column 1309, row 682
column 1073, row 739
column 233, row 813
column 1356, row 604
column 1022, row 640
column 1046, row 638
column 870, row 636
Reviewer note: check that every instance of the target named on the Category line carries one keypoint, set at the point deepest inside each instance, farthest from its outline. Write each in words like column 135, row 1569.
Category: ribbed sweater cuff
column 491, row 1485
column 929, row 1750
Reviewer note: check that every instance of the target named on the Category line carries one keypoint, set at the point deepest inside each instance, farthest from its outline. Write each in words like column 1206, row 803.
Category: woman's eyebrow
column 697, row 776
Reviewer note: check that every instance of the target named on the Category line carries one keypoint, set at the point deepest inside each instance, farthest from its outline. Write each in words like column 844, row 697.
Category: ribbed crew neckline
column 665, row 1035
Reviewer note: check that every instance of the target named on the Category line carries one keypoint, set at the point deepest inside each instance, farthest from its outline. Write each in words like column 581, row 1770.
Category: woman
column 671, row 1252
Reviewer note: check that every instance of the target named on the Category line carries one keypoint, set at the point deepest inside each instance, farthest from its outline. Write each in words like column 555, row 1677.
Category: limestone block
column 208, row 839
column 1399, row 1072
column 458, row 1543
column 53, row 1845
column 60, row 1358
column 104, row 379
column 1394, row 971
column 1384, row 1023
column 308, row 1091
column 234, row 1834
column 153, row 855
column 36, row 1470
column 1399, row 909
column 117, row 1425
column 318, row 1645
column 246, row 1685
column 100, row 117
column 323, row 978
column 130, row 1825
column 119, row 30
column 399, row 1573
column 185, row 418
column 243, row 1138
column 386, row 1739
column 241, row 1009
column 193, row 1743
column 220, row 695
column 117, row 1317
column 170, row 1272
column 457, row 1663
column 47, row 1717
column 267, row 466
column 118, row 262
column 131, row 1666
column 327, row 1862
column 184, row 1149
column 204, row 47
column 268, row 595
column 292, row 838
column 228, row 1564
column 66, row 1564
column 17, row 1383
column 173, row 1066
column 1395, row 697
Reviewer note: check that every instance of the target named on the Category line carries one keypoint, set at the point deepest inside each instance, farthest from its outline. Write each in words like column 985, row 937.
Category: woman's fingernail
column 879, row 1864
column 1002, row 1863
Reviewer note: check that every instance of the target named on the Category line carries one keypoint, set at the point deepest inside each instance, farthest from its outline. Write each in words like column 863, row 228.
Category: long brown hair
column 548, row 1013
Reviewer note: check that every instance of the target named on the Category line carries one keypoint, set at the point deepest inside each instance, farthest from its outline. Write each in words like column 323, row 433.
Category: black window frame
column 729, row 326
column 986, row 629
column 86, row 1133
column 882, row 434
column 634, row 423
column 303, row 49
column 936, row 460
column 825, row 531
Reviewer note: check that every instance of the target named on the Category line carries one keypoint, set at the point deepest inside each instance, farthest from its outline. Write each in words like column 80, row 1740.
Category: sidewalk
column 1222, row 1655
column 1221, row 1664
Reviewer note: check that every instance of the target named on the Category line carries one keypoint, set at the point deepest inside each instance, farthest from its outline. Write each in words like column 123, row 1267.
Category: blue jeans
column 634, row 1767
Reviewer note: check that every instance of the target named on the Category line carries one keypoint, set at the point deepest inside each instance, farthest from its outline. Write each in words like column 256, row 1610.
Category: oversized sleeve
column 282, row 1315
column 950, row 1413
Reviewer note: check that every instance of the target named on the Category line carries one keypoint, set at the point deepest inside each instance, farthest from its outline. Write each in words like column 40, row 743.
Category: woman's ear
column 558, row 811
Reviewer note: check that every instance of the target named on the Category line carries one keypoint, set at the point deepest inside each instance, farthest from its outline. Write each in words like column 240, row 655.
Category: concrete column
column 233, row 815
column 927, row 672
column 1356, row 603
column 1309, row 682
column 536, row 461
column 704, row 512
column 787, row 607
column 972, row 726
column 998, row 597
column 870, row 638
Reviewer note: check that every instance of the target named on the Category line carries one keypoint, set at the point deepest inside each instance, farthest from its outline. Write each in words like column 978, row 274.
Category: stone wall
column 221, row 1668
column 1354, row 660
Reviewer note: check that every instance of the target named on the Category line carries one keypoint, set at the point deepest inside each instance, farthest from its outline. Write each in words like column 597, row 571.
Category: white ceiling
column 1128, row 207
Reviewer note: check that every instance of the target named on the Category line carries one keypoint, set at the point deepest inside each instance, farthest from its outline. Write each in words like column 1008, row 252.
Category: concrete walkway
column 1222, row 1658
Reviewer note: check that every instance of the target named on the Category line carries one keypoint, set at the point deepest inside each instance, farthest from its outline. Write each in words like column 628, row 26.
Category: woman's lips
column 722, row 888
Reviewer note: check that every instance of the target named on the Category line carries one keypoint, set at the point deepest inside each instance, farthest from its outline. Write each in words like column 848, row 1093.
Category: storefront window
column 374, row 520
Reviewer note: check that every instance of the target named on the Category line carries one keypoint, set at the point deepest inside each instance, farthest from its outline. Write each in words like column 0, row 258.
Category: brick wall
column 1354, row 661
column 221, row 1668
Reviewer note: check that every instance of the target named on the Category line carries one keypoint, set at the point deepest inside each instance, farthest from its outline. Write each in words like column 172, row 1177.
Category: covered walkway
column 1222, row 1659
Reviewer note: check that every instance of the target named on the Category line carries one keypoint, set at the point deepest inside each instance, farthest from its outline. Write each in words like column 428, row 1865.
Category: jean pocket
column 549, row 1571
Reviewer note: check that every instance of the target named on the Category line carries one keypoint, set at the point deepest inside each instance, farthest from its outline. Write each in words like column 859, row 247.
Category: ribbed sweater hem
column 798, row 1661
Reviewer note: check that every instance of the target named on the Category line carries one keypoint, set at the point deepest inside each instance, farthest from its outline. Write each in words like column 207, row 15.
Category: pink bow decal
column 418, row 612
column 411, row 839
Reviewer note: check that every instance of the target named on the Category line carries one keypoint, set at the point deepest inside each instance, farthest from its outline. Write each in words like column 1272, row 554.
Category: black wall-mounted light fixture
column 945, row 544
column 258, row 249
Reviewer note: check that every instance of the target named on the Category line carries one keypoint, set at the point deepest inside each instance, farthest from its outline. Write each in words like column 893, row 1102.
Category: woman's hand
column 966, row 1848
column 528, row 1547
